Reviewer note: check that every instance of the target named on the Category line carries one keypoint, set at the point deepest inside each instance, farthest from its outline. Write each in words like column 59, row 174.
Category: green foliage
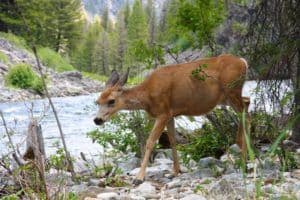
column 3, row 57
column 201, row 17
column 207, row 141
column 239, row 28
column 58, row 160
column 22, row 76
column 123, row 135
column 263, row 126
column 54, row 60
column 199, row 74
column 56, row 24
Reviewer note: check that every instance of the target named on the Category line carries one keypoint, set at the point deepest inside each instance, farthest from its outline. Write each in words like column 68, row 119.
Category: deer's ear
column 123, row 78
column 113, row 79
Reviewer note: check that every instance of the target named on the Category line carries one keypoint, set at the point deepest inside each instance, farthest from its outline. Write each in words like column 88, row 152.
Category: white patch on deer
column 245, row 61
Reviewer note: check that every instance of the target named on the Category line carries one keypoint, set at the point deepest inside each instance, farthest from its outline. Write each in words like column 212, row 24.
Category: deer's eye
column 111, row 102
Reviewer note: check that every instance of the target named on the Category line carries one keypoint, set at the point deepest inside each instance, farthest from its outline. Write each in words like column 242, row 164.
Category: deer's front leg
column 171, row 135
column 159, row 126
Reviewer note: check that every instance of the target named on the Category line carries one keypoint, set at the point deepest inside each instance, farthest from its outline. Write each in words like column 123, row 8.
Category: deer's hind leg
column 171, row 135
column 240, row 104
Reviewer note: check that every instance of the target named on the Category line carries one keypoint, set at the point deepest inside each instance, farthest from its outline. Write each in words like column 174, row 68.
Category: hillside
column 67, row 83
column 97, row 7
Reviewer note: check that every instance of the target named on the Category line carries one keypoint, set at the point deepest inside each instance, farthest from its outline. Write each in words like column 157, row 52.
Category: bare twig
column 8, row 135
column 68, row 157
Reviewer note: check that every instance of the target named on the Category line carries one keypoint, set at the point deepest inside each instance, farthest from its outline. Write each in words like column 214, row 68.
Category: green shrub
column 54, row 60
column 22, row 76
column 212, row 139
column 3, row 57
column 205, row 142
column 125, row 132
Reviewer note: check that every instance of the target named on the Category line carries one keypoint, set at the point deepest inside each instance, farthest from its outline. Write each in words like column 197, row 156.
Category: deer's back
column 178, row 89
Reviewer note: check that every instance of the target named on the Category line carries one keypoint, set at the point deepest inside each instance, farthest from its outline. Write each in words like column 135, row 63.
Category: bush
column 205, row 142
column 126, row 132
column 22, row 76
column 213, row 139
column 54, row 60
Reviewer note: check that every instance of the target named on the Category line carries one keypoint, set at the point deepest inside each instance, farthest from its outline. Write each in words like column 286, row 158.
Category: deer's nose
column 98, row 121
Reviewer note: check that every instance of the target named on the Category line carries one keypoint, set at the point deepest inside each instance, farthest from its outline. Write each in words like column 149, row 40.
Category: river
column 76, row 115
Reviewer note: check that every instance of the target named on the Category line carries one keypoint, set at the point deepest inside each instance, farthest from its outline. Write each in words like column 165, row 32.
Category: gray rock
column 78, row 188
column 73, row 74
column 128, row 164
column 93, row 182
column 235, row 149
column 174, row 184
column 145, row 187
column 155, row 172
column 108, row 196
column 194, row 197
column 209, row 162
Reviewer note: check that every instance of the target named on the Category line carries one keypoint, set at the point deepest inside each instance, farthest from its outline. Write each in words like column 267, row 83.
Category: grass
column 54, row 60
column 16, row 40
column 3, row 58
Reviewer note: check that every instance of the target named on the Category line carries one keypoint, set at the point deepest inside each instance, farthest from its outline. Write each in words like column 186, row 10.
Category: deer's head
column 110, row 100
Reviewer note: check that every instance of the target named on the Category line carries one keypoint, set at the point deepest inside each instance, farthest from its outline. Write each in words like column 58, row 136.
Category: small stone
column 145, row 187
column 174, row 184
column 209, row 162
column 93, row 182
column 108, row 196
column 235, row 149
column 296, row 173
column 194, row 197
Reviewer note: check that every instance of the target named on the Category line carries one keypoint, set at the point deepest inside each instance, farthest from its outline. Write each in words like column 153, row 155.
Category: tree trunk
column 296, row 128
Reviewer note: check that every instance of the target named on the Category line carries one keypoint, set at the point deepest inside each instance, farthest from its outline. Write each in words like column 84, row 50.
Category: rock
column 194, row 197
column 108, row 196
column 296, row 173
column 209, row 162
column 3, row 67
column 222, row 186
column 200, row 173
column 155, row 172
column 146, row 190
column 145, row 187
column 235, row 149
column 135, row 197
column 174, row 184
column 79, row 188
column 74, row 74
column 128, row 164
column 94, row 182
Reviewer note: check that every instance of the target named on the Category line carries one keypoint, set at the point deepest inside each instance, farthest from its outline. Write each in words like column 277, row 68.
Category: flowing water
column 76, row 115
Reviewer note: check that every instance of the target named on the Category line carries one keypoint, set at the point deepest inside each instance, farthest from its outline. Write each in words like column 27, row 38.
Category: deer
column 192, row 89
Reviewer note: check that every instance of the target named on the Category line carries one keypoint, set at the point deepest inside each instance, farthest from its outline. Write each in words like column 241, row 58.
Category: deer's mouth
column 99, row 121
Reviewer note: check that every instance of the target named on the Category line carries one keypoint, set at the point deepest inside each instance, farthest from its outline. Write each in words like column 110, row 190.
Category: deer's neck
column 135, row 98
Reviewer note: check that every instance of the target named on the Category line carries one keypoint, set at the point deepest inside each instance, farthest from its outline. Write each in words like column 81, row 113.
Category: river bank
column 70, row 83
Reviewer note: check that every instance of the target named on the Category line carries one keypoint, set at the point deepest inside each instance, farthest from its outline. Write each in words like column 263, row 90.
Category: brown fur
column 172, row 90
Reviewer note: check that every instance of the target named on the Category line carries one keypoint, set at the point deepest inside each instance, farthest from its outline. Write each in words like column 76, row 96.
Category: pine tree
column 137, row 34
column 121, row 41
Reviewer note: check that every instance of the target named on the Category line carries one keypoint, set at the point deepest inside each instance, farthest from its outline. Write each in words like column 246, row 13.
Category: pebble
column 194, row 197
column 108, row 196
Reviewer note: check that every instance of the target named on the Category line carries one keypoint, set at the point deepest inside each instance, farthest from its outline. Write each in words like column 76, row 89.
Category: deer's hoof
column 137, row 182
